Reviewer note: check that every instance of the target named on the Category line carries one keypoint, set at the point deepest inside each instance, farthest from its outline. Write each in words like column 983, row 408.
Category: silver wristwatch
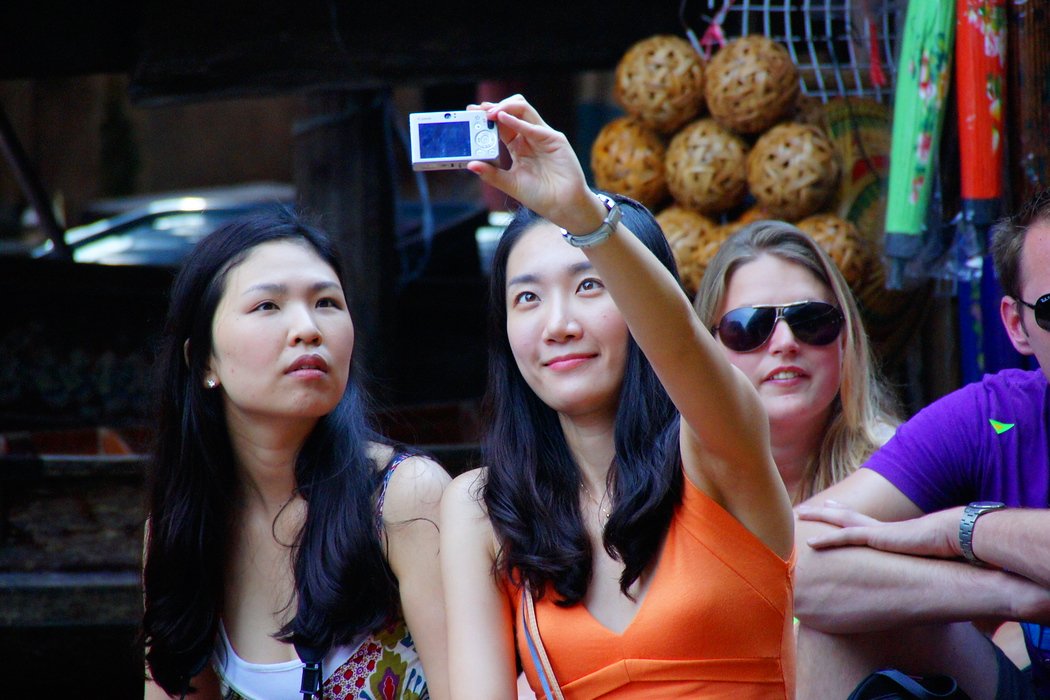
column 969, row 518
column 602, row 232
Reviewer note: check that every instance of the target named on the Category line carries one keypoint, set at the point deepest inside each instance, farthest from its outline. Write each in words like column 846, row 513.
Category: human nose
column 561, row 322
column 782, row 339
column 304, row 329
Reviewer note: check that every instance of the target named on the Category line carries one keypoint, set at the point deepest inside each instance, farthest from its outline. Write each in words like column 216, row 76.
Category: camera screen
column 444, row 140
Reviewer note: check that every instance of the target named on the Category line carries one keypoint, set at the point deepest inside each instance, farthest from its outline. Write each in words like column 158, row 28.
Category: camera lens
column 448, row 115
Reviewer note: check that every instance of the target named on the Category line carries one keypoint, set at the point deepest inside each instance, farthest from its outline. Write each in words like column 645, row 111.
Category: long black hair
column 531, row 491
column 343, row 583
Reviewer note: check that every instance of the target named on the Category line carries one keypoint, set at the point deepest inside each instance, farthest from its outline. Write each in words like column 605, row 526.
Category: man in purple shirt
column 946, row 530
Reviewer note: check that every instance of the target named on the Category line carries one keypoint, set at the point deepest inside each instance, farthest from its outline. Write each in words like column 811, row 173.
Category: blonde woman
column 814, row 373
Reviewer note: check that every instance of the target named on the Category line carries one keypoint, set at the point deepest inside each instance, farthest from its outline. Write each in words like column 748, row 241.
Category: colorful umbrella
column 922, row 87
column 980, row 62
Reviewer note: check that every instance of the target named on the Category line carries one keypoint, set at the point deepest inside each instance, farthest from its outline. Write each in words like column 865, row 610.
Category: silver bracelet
column 602, row 232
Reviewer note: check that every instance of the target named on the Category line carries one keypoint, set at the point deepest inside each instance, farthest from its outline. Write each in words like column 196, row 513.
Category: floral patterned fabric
column 385, row 667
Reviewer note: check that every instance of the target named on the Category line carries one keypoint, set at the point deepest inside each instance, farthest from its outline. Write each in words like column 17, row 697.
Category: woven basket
column 660, row 81
column 843, row 243
column 861, row 130
column 793, row 170
column 706, row 167
column 628, row 158
column 751, row 84
column 810, row 110
column 693, row 239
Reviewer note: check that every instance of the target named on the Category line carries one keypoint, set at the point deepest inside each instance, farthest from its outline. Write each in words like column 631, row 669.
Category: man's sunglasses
column 1041, row 307
column 749, row 327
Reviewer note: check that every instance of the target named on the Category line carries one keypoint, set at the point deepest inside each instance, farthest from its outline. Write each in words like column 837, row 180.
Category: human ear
column 1010, row 312
column 210, row 380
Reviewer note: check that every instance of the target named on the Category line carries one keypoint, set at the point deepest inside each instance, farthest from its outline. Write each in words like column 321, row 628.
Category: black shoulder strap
column 311, row 658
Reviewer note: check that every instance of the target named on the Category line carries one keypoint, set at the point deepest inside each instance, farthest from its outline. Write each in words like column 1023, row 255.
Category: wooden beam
column 244, row 48
column 343, row 172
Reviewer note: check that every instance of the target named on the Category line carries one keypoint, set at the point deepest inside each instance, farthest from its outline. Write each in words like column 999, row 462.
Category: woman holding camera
column 630, row 524
column 291, row 551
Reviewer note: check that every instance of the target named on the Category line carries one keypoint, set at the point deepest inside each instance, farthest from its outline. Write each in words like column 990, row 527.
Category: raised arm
column 725, row 435
column 845, row 589
column 411, row 517
column 481, row 652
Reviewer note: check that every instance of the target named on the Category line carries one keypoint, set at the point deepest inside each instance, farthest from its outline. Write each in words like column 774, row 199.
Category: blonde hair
column 862, row 413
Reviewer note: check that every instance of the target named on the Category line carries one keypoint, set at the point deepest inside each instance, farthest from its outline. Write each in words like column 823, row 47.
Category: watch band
column 969, row 518
column 603, row 231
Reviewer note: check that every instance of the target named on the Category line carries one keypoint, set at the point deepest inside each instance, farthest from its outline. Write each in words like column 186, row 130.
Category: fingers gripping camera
column 450, row 140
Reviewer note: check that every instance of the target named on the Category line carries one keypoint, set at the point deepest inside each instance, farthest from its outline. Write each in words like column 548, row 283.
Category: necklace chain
column 603, row 509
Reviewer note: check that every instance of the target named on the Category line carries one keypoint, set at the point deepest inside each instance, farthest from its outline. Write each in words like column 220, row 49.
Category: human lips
column 567, row 362
column 308, row 365
column 785, row 374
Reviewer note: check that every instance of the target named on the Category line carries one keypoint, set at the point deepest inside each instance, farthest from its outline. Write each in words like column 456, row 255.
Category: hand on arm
column 411, row 517
column 481, row 652
column 845, row 589
column 725, row 436
column 932, row 535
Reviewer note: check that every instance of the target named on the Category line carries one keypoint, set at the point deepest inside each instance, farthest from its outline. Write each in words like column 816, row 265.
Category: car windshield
column 158, row 239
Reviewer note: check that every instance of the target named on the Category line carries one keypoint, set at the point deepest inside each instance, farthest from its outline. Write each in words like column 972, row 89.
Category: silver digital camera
column 450, row 140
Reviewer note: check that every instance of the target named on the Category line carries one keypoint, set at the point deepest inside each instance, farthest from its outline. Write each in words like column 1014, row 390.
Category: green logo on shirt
column 1000, row 428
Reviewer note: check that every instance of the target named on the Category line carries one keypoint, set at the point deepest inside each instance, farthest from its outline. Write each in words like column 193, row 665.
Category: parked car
column 161, row 233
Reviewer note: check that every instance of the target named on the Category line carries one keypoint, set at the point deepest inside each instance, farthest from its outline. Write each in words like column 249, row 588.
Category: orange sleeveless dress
column 716, row 621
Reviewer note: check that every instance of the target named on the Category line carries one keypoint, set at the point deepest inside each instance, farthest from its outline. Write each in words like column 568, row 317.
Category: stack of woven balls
column 698, row 138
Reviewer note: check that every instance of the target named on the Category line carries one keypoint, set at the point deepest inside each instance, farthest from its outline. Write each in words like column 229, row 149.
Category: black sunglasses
column 749, row 327
column 1041, row 307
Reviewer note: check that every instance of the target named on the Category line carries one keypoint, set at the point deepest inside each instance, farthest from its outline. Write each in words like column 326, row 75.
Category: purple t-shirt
column 988, row 441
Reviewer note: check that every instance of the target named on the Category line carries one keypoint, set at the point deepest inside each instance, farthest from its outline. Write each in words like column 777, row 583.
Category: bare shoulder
column 415, row 489
column 463, row 495
column 464, row 519
column 463, row 509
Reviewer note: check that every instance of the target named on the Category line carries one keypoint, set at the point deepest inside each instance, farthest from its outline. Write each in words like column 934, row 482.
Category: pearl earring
column 211, row 383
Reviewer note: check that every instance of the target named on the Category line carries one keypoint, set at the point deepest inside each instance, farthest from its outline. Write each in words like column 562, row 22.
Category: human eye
column 267, row 305
column 525, row 297
column 591, row 284
column 329, row 303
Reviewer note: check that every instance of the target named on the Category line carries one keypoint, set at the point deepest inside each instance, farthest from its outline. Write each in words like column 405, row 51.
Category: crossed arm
column 872, row 561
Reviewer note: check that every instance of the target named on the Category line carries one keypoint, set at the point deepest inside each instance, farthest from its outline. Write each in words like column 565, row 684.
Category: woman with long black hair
column 629, row 535
column 290, row 549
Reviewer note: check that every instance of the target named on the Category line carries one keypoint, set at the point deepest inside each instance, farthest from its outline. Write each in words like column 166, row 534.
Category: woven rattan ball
column 842, row 242
column 706, row 167
column 751, row 84
column 754, row 213
column 660, row 80
column 628, row 158
column 691, row 236
column 792, row 170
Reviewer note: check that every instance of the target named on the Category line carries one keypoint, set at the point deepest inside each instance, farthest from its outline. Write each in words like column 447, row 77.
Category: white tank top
column 279, row 681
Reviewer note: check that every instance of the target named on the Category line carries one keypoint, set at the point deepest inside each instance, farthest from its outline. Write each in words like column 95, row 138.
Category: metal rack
column 831, row 42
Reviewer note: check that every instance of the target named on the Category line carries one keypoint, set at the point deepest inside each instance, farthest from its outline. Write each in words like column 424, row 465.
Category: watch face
column 987, row 504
